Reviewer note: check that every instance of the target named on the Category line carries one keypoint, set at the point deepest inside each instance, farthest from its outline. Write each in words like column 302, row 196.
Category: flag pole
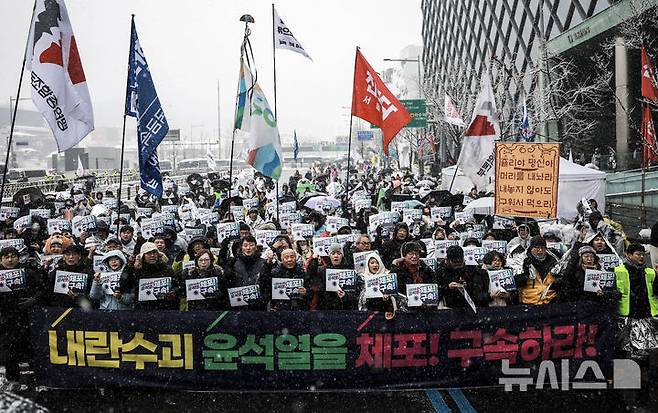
column 275, row 115
column 349, row 137
column 13, row 117
column 123, row 134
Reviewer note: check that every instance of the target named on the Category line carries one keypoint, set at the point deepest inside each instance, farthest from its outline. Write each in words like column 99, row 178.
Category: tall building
column 467, row 34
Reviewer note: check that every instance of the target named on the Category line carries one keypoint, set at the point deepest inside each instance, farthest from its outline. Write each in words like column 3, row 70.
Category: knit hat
column 537, row 241
column 335, row 247
column 148, row 247
column 410, row 246
column 455, row 253
column 586, row 249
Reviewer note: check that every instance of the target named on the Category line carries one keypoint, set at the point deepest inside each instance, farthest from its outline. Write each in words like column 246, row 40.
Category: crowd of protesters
column 549, row 261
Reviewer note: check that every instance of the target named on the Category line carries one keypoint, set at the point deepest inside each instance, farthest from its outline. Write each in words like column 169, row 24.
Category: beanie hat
column 455, row 253
column 537, row 241
column 410, row 246
column 148, row 247
column 586, row 249
column 335, row 247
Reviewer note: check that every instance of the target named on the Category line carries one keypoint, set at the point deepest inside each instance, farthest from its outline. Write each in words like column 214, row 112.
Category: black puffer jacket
column 144, row 271
column 244, row 270
column 279, row 271
column 64, row 300
column 476, row 285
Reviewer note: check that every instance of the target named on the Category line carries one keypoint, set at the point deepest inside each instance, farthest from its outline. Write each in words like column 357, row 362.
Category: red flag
column 649, row 135
column 432, row 142
column 373, row 102
column 649, row 89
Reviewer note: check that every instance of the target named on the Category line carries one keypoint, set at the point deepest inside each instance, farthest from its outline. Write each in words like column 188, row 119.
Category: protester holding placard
column 173, row 248
column 106, row 287
column 246, row 270
column 453, row 275
column 279, row 276
column 341, row 299
column 411, row 270
column 573, row 289
column 520, row 243
column 205, row 284
column 363, row 244
column 156, row 287
column 535, row 280
column 21, row 289
column 390, row 249
column 196, row 245
column 495, row 261
column 62, row 293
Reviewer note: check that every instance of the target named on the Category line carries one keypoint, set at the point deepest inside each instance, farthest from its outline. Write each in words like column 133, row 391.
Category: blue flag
column 295, row 148
column 143, row 104
column 525, row 134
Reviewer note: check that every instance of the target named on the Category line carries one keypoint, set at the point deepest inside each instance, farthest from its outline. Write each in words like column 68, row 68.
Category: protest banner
column 169, row 209
column 238, row 213
column 379, row 284
column 250, row 203
column 201, row 288
column 40, row 212
column 411, row 215
column 440, row 213
column 228, row 230
column 194, row 232
column 398, row 206
column 98, row 265
column 503, row 223
column 286, row 288
column 382, row 218
column 441, row 246
column 80, row 224
column 419, row 295
column 335, row 223
column 361, row 203
column 474, row 255
column 18, row 243
column 463, row 217
column 58, row 226
column 113, row 203
column 338, row 279
column 501, row 280
column 9, row 212
column 321, row 245
column 66, row 281
column 360, row 263
column 431, row 262
column 264, row 237
column 301, row 232
column 527, row 177
column 494, row 245
column 596, row 280
column 430, row 246
column 241, row 296
column 608, row 261
column 346, row 349
column 12, row 280
column 152, row 226
column 153, row 289
column 110, row 281
column 144, row 212
column 23, row 223
column 289, row 218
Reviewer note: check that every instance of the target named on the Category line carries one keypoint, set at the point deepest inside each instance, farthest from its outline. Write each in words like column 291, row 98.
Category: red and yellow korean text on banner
column 527, row 179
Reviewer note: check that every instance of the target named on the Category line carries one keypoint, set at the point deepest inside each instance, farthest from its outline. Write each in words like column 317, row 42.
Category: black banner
column 230, row 350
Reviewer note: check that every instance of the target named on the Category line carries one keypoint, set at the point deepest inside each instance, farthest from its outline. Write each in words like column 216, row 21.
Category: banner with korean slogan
column 338, row 279
column 596, row 280
column 286, row 288
column 18, row 243
column 335, row 223
column 501, row 280
column 422, row 295
column 56, row 225
column 383, row 218
column 503, row 223
column 228, row 230
column 430, row 246
column 361, row 203
column 527, row 177
column 301, row 232
column 264, row 237
column 80, row 224
column 431, row 262
column 441, row 246
column 333, row 350
column 152, row 226
column 378, row 285
column 361, row 260
column 242, row 296
column 411, row 215
column 66, row 281
column 474, row 255
column 440, row 213
column 98, row 264
column 608, row 261
column 40, row 212
column 321, row 245
column 201, row 288
column 153, row 289
column 23, row 223
column 9, row 212
column 12, row 280
column 193, row 232
column 495, row 245
column 110, row 281
column 238, row 213
column 289, row 218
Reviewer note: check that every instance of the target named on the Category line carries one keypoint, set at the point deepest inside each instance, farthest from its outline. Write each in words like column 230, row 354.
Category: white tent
column 576, row 182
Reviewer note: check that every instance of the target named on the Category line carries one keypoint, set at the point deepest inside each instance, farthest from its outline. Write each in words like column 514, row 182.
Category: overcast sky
column 191, row 45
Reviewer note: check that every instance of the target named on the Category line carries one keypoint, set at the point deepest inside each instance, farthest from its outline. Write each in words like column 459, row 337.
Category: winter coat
column 477, row 285
column 144, row 271
column 64, row 300
column 109, row 301
column 279, row 271
column 536, row 277
column 329, row 300
column 244, row 270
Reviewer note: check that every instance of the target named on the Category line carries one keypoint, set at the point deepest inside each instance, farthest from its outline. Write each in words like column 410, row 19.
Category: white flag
column 477, row 158
column 211, row 160
column 284, row 39
column 59, row 86
column 81, row 170
column 452, row 116
column 570, row 156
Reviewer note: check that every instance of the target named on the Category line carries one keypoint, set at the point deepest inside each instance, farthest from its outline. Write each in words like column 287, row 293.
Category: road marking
column 437, row 401
column 461, row 400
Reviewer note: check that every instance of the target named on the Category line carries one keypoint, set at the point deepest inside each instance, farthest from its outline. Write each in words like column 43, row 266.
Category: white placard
column 66, row 281
column 411, row 215
column 110, row 281
column 335, row 223
column 503, row 223
column 18, row 243
column 321, row 245
column 245, row 295
column 12, row 280
column 495, row 245
column 80, row 224
column 608, row 261
column 286, row 288
column 9, row 212
column 474, row 255
column 378, row 285
column 340, row 279
column 300, row 232
column 228, row 230
column 40, row 212
column 501, row 280
column 201, row 288
column 442, row 245
column 58, row 225
column 153, row 289
column 440, row 213
column 264, row 237
column 596, row 280
column 422, row 294
column 289, row 218
column 361, row 260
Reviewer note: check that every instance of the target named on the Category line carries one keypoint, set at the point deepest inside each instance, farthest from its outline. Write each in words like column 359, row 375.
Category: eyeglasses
column 204, row 259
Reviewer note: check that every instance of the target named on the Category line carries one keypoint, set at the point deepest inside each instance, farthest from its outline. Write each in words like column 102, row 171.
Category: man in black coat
column 247, row 268
column 453, row 274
